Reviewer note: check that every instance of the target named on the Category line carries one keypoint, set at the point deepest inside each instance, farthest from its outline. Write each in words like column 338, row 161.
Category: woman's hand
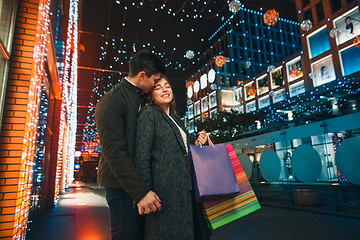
column 202, row 138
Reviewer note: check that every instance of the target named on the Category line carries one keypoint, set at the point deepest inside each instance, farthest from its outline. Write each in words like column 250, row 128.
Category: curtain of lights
column 31, row 121
column 68, row 118
column 38, row 172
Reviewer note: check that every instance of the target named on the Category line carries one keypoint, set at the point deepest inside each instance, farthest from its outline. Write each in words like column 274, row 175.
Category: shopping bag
column 212, row 172
column 221, row 212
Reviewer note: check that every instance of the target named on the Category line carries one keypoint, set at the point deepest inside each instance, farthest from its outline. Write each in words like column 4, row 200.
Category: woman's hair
column 172, row 103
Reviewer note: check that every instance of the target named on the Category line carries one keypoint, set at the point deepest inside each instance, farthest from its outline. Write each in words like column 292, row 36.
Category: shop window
column 351, row 60
column 213, row 114
column 191, row 126
column 191, row 111
column 251, row 107
column 264, row 102
column 250, row 90
column 279, row 96
column 319, row 43
column 349, row 24
column 324, row 71
column 277, row 79
column 296, row 89
column 262, row 84
column 197, row 108
column 204, row 104
column 212, row 100
column 294, row 69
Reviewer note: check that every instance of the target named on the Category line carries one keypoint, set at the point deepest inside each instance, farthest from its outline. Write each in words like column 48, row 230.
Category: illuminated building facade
column 38, row 108
column 310, row 100
column 248, row 47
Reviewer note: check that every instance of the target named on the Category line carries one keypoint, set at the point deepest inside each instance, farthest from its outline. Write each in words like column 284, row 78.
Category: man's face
column 149, row 82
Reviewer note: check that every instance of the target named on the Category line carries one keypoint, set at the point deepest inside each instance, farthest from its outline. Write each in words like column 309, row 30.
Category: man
column 116, row 115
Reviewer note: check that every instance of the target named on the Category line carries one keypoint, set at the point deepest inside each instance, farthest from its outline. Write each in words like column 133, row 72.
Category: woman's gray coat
column 161, row 159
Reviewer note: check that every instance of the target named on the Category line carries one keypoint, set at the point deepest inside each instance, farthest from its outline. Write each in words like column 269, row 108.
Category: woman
column 161, row 156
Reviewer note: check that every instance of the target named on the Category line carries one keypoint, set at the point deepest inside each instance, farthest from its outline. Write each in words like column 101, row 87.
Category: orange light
column 271, row 17
column 220, row 61
column 356, row 41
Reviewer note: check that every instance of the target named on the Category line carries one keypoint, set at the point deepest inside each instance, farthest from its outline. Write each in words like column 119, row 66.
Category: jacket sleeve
column 110, row 124
column 144, row 143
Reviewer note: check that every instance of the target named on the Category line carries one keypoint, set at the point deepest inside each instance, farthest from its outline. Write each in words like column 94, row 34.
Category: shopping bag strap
column 208, row 140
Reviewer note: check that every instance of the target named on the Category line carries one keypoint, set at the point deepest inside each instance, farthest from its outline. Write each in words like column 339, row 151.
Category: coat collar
column 174, row 127
column 131, row 86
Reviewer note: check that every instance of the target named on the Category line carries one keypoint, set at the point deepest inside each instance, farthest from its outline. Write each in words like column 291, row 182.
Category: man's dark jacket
column 115, row 116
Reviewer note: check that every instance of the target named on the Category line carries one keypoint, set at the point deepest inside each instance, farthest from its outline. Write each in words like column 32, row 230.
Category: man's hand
column 150, row 203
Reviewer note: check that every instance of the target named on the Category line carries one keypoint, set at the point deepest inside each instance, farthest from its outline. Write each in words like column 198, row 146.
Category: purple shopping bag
column 212, row 171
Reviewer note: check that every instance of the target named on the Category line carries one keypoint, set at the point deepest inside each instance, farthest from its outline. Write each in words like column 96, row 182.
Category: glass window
column 264, row 102
column 250, row 107
column 204, row 104
column 349, row 25
column 277, row 79
column 279, row 96
column 250, row 91
column 262, row 84
column 197, row 108
column 7, row 16
column 297, row 88
column 212, row 97
column 294, row 69
column 324, row 71
column 350, row 60
column 320, row 11
column 335, row 5
column 319, row 43
column 191, row 111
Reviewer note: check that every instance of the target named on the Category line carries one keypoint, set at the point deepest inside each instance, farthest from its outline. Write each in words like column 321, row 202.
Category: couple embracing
column 144, row 158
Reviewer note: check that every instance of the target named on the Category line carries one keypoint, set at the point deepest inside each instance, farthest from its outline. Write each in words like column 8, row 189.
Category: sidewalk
column 82, row 214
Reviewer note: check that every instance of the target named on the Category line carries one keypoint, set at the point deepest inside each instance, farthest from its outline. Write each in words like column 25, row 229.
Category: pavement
column 82, row 214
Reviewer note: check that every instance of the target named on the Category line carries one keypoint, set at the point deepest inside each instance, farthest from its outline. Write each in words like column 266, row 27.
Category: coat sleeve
column 110, row 126
column 144, row 143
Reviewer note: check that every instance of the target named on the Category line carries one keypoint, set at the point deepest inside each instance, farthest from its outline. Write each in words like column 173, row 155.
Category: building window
column 7, row 16
column 320, row 11
column 335, row 5
column 318, row 42
column 349, row 25
column 324, row 70
column 350, row 60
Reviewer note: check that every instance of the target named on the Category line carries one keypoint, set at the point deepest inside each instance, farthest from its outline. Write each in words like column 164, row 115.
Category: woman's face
column 162, row 93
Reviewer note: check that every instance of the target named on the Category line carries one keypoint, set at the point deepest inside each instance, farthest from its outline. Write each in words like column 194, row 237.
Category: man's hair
column 147, row 62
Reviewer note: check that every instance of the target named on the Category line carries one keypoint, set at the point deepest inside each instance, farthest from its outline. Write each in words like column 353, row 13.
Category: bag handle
column 208, row 140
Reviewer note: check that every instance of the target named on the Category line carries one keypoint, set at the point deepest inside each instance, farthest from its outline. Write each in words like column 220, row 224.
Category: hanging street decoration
column 190, row 54
column 213, row 86
column 270, row 68
column 306, row 25
column 234, row 6
column 220, row 61
column 247, row 64
column 271, row 17
column 335, row 32
column 312, row 75
column 356, row 41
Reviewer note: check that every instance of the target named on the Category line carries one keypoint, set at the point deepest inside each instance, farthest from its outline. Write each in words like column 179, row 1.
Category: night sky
column 112, row 30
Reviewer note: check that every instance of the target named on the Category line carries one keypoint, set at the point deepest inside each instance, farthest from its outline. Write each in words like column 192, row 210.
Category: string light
column 32, row 121
column 68, row 114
